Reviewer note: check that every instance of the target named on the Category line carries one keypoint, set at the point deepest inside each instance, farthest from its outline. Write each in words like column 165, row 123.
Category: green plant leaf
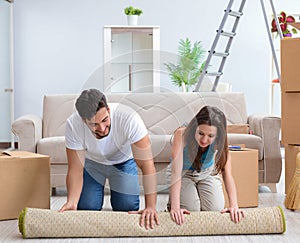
column 190, row 64
column 132, row 11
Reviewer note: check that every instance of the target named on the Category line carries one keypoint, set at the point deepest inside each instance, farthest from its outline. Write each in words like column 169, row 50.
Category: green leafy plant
column 132, row 11
column 186, row 73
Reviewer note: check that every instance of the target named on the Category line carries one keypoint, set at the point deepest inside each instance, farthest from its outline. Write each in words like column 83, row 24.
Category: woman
column 199, row 157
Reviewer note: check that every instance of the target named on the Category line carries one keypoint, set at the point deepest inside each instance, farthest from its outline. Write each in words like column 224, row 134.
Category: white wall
column 59, row 43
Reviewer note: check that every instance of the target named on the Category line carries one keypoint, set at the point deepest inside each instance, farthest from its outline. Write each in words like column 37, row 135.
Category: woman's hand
column 149, row 217
column 236, row 214
column 177, row 215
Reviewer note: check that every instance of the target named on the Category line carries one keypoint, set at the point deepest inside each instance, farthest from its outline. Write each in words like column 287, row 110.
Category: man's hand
column 68, row 206
column 149, row 217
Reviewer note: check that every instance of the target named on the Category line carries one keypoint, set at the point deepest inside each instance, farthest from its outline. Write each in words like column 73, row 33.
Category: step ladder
column 269, row 33
column 212, row 52
column 230, row 35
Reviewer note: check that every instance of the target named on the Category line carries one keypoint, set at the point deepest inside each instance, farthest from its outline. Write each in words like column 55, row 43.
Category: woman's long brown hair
column 211, row 116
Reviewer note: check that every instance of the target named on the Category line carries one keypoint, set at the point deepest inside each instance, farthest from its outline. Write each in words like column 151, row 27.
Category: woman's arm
column 177, row 164
column 235, row 212
column 229, row 184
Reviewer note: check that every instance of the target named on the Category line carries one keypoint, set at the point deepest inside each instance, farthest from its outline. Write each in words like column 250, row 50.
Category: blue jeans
column 123, row 183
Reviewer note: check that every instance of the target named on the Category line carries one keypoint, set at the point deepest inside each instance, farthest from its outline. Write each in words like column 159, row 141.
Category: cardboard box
column 290, row 154
column 238, row 128
column 290, row 113
column 245, row 174
column 24, row 182
column 290, row 71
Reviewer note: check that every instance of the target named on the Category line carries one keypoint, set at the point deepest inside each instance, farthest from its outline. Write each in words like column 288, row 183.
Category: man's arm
column 143, row 156
column 74, row 178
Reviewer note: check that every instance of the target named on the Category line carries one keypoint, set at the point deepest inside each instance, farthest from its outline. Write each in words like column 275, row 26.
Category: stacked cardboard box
column 245, row 173
column 24, row 182
column 290, row 98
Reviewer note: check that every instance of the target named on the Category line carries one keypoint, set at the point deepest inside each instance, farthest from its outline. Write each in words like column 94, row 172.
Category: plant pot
column 287, row 35
column 132, row 19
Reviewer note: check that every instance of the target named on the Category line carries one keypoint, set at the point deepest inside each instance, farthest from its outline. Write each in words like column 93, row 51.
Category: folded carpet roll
column 44, row 223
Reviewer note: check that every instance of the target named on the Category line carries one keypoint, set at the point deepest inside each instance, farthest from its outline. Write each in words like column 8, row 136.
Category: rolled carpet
column 45, row 223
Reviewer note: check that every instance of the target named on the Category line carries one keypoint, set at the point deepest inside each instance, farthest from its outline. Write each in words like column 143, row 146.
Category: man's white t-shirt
column 127, row 127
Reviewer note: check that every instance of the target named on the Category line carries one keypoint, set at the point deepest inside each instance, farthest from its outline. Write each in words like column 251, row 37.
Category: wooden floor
column 9, row 229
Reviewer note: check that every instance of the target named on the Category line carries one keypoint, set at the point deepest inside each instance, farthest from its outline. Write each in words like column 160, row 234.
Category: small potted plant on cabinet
column 132, row 15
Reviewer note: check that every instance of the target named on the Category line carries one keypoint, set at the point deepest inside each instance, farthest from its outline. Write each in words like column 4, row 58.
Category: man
column 107, row 142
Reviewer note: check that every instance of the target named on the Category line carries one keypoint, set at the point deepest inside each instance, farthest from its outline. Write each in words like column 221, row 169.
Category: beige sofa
column 162, row 114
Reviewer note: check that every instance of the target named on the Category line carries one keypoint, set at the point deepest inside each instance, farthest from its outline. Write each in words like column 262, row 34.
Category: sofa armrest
column 268, row 128
column 28, row 130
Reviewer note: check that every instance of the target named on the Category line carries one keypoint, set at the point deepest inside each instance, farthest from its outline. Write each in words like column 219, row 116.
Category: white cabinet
column 131, row 58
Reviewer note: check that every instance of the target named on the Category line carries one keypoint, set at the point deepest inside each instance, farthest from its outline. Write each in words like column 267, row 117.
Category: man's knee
column 125, row 203
column 90, row 201
column 89, row 205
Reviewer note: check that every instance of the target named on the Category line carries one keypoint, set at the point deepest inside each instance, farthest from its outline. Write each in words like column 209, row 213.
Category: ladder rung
column 235, row 13
column 215, row 74
column 228, row 34
column 221, row 54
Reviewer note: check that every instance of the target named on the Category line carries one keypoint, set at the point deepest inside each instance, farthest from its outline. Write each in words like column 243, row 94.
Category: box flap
column 7, row 153
column 295, row 25
column 238, row 128
column 20, row 154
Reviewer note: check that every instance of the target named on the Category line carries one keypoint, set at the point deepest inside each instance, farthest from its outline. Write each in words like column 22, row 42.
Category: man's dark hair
column 89, row 103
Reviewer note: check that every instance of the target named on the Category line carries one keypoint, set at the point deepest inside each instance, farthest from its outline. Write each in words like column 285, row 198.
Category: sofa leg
column 53, row 191
column 272, row 186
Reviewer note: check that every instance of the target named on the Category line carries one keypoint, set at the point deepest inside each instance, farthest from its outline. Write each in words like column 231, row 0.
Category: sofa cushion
column 164, row 112
column 56, row 110
column 161, row 147
column 54, row 147
column 250, row 141
column 160, row 144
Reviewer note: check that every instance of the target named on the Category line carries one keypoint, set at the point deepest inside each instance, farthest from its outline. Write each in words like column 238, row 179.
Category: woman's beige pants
column 200, row 191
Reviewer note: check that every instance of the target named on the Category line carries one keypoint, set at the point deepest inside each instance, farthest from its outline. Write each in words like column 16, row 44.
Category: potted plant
column 283, row 22
column 186, row 73
column 132, row 14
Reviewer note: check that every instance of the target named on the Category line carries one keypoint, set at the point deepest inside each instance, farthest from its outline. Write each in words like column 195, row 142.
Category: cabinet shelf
column 130, row 63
